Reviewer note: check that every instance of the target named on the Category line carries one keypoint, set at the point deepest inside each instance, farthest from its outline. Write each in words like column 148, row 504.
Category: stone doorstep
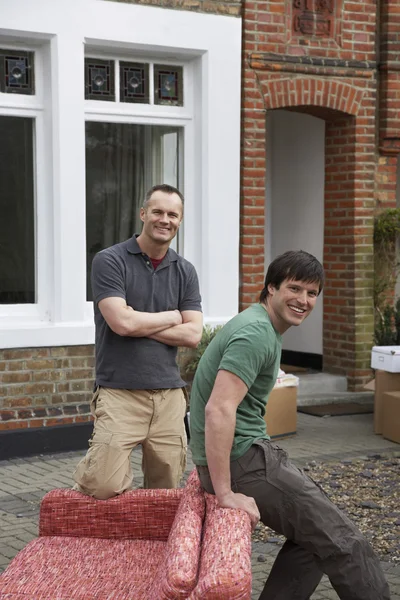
column 318, row 399
column 316, row 389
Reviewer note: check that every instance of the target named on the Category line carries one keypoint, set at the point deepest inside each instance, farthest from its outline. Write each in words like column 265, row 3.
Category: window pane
column 134, row 82
column 17, row 72
column 99, row 79
column 168, row 151
column 17, row 227
column 168, row 85
column 122, row 162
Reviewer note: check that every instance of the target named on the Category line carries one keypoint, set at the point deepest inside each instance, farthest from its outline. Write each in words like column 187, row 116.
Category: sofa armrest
column 225, row 563
column 136, row 514
column 178, row 575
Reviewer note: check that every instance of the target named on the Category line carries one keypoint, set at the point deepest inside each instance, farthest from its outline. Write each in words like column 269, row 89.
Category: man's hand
column 187, row 332
column 178, row 316
column 243, row 502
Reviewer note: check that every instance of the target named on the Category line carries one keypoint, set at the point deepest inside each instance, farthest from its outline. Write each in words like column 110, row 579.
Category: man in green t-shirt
column 237, row 462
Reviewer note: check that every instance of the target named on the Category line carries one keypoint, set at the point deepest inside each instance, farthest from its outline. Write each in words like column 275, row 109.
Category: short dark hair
column 162, row 187
column 293, row 264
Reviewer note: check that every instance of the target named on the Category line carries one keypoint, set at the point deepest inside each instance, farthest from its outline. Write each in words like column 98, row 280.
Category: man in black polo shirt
column 147, row 302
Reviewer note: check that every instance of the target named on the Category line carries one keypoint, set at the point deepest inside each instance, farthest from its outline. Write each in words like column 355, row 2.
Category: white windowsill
column 39, row 334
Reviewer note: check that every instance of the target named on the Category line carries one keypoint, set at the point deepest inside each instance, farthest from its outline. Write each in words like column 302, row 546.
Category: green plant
column 386, row 234
column 208, row 335
column 386, row 268
column 387, row 329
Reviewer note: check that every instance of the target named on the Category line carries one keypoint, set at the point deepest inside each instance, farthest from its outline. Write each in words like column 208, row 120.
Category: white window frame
column 209, row 48
column 32, row 107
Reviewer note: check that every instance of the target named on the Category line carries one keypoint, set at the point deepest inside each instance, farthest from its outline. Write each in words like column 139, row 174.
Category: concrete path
column 24, row 481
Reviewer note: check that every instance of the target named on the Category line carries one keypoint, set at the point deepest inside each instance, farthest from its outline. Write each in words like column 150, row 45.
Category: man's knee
column 102, row 492
column 105, row 471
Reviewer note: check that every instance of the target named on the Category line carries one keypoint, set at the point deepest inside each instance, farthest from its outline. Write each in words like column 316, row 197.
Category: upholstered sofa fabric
column 178, row 573
column 60, row 568
column 142, row 545
column 136, row 514
column 225, row 569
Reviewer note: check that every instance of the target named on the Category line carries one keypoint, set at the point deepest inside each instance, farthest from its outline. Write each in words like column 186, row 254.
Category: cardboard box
column 281, row 412
column 384, row 382
column 391, row 416
column 386, row 358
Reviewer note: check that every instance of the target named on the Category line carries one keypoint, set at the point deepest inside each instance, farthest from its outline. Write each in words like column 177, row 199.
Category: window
column 129, row 145
column 49, row 233
column 17, row 229
column 122, row 162
column 134, row 82
column 18, row 135
column 99, row 79
column 146, row 85
column 16, row 72
column 168, row 85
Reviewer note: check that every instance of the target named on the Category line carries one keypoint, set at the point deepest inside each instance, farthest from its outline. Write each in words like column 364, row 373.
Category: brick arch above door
column 309, row 91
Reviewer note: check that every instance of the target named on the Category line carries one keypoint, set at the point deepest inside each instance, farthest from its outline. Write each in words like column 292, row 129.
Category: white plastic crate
column 386, row 358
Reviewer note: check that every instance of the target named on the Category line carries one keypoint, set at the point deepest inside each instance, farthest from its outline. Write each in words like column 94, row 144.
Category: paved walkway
column 24, row 481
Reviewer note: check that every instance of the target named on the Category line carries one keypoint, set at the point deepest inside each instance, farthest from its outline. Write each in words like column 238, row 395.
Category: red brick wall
column 45, row 386
column 332, row 76
column 389, row 104
column 348, row 258
column 42, row 387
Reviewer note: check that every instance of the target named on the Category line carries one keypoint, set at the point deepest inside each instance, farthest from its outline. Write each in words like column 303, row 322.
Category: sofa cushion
column 61, row 568
column 178, row 575
column 137, row 514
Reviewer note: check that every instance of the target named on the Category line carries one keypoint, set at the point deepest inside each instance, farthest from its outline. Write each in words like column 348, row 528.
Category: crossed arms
column 170, row 327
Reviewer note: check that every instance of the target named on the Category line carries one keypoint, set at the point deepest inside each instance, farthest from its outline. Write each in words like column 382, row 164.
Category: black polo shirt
column 124, row 271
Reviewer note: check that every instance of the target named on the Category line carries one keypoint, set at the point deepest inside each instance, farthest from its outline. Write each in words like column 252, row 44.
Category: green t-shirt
column 249, row 347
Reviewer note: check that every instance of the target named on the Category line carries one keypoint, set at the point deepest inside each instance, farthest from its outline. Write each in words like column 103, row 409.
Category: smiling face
column 291, row 303
column 161, row 218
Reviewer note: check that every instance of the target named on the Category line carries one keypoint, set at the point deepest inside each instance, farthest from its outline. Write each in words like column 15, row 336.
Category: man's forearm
column 142, row 324
column 218, row 441
column 180, row 335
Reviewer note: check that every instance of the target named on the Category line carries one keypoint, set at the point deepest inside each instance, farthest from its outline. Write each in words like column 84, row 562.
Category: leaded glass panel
column 99, row 79
column 168, row 85
column 134, row 82
column 17, row 72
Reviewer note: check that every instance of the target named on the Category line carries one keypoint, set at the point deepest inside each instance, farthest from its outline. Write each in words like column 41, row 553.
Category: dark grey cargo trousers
column 319, row 537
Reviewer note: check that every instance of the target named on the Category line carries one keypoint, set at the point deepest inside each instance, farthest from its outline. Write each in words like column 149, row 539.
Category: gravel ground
column 367, row 489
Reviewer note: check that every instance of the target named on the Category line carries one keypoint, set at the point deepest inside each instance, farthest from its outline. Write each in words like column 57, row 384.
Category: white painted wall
column 60, row 32
column 295, row 204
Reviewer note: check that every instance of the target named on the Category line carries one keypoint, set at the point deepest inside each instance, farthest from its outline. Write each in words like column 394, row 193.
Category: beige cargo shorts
column 124, row 419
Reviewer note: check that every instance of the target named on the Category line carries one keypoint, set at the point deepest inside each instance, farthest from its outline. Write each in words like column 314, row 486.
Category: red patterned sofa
column 142, row 545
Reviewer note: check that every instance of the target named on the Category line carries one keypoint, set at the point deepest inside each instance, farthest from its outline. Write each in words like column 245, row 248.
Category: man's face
column 162, row 217
column 291, row 303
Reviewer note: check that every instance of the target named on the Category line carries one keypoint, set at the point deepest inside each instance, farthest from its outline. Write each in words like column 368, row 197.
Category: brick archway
column 309, row 91
column 349, row 205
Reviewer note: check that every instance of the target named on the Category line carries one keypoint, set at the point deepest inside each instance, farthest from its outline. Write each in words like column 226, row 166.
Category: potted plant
column 208, row 335
column 190, row 365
